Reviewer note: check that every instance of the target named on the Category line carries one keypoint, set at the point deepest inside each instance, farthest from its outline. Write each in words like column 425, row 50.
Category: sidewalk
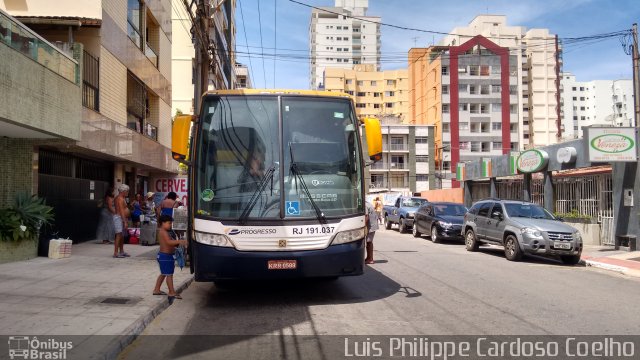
column 607, row 258
column 43, row 296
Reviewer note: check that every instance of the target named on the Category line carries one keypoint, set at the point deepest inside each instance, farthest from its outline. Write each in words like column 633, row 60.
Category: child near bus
column 165, row 257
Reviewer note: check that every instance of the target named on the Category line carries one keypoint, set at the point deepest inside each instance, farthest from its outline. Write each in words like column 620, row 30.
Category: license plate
column 562, row 245
column 282, row 264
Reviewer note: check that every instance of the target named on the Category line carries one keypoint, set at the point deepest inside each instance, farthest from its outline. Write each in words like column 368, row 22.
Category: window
column 474, row 108
column 445, row 70
column 389, row 93
column 422, row 177
column 475, row 146
column 361, row 106
column 484, row 70
column 391, row 82
column 377, row 94
column 484, row 209
column 349, row 81
column 496, row 126
column 581, row 88
column 388, row 105
column 497, row 145
column 581, row 98
column 422, row 158
column 134, row 21
column 360, row 83
column 397, row 181
column 582, row 108
column 496, row 107
column 573, row 88
column 497, row 212
column 462, row 88
column 376, row 106
column 463, row 126
column 495, row 69
column 445, row 89
column 373, row 83
column 422, row 140
column 474, row 89
column 474, row 70
column 463, row 107
column 575, row 98
column 445, row 108
column 361, row 93
column 495, row 89
column 338, row 27
column 445, row 127
column 513, row 109
column 484, row 108
column 484, row 89
column 91, row 82
column 350, row 92
column 139, row 102
column 513, row 89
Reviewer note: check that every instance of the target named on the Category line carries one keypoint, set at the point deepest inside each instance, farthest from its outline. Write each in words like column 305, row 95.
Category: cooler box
column 60, row 248
column 148, row 233
column 134, row 235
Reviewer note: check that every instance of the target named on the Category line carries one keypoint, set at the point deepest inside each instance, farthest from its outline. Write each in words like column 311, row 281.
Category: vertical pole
column 549, row 195
column 526, row 187
column 493, row 192
column 636, row 76
column 558, row 110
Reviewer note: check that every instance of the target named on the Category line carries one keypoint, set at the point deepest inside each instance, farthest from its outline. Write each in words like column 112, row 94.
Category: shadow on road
column 531, row 259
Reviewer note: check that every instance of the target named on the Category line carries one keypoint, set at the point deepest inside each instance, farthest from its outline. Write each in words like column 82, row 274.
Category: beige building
column 110, row 122
column 376, row 93
column 182, row 59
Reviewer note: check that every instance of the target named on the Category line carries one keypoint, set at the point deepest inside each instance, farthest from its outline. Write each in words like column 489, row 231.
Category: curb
column 121, row 341
column 604, row 266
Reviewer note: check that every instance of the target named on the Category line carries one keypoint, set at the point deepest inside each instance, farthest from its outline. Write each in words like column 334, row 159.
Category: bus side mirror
column 373, row 133
column 180, row 137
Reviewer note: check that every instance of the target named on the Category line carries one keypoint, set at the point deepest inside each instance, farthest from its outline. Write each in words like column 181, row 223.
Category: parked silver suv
column 522, row 228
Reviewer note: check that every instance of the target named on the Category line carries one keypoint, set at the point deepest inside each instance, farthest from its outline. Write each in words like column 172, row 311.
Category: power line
column 244, row 30
column 275, row 38
column 264, row 72
column 433, row 31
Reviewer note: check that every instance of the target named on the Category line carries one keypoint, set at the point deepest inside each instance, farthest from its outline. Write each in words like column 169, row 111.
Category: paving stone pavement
column 57, row 297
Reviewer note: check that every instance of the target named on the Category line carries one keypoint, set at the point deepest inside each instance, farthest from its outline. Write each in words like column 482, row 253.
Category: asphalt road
column 414, row 288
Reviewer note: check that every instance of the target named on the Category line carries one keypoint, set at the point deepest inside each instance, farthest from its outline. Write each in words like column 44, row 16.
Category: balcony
column 24, row 40
column 399, row 147
column 380, row 166
column 45, row 97
column 398, row 166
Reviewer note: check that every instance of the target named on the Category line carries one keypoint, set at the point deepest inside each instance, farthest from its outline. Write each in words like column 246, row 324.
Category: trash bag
column 179, row 256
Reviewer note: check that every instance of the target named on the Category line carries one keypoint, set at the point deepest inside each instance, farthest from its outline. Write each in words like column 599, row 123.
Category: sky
column 282, row 27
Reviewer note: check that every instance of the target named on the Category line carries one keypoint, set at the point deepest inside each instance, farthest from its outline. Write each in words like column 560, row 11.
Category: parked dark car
column 441, row 220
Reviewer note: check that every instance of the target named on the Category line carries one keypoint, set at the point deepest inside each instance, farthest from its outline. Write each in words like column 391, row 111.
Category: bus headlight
column 348, row 236
column 213, row 239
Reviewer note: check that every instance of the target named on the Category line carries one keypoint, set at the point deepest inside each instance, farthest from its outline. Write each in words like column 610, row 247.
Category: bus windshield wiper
column 254, row 198
column 298, row 175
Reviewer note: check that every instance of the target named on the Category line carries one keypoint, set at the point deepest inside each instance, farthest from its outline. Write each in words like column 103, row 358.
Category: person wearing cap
column 149, row 206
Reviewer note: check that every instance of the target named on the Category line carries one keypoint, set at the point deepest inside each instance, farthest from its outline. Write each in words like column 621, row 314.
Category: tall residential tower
column 341, row 37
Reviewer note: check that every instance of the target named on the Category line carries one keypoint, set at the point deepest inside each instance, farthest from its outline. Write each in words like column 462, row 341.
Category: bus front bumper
column 213, row 263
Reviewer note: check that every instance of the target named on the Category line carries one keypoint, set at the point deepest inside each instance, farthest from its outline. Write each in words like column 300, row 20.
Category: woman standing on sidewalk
column 106, row 230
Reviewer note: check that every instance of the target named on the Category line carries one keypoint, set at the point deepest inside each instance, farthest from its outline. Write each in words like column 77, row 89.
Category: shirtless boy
column 165, row 257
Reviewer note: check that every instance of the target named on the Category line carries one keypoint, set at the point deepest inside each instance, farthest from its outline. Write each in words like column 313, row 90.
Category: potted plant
column 20, row 226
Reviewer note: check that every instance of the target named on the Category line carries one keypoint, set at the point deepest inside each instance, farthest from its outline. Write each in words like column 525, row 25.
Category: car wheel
column 434, row 235
column 402, row 227
column 387, row 223
column 570, row 259
column 512, row 249
column 470, row 241
column 415, row 231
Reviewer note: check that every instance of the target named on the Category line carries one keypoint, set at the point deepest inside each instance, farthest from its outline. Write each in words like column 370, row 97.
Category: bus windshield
column 245, row 164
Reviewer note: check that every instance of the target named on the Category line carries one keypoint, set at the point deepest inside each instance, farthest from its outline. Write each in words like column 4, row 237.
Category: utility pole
column 636, row 75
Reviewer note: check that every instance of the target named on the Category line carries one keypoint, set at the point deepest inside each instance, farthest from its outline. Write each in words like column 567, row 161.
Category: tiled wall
column 113, row 87
column 16, row 173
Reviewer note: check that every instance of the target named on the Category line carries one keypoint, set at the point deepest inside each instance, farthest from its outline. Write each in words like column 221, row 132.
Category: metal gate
column 605, row 215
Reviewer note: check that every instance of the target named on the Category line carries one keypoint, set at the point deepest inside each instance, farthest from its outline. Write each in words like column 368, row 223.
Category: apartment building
column 122, row 55
column 182, row 60
column 222, row 34
column 376, row 93
column 243, row 77
column 597, row 102
column 488, row 89
column 406, row 165
column 222, row 74
column 338, row 40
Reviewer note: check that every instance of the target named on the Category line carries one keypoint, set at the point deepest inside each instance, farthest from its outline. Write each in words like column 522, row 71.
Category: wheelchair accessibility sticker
column 293, row 207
